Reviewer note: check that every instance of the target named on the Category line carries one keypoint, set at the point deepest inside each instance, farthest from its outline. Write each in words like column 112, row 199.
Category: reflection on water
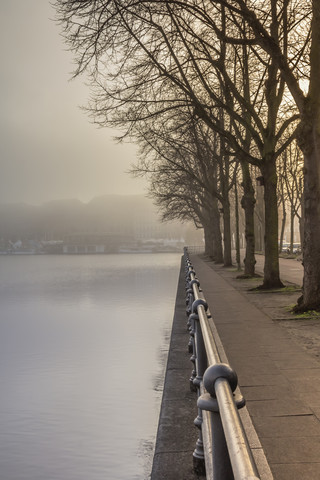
column 83, row 344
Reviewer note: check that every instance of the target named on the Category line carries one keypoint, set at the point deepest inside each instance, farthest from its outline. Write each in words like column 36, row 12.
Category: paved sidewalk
column 279, row 378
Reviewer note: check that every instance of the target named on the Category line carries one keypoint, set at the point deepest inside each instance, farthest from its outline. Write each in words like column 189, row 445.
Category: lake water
column 83, row 348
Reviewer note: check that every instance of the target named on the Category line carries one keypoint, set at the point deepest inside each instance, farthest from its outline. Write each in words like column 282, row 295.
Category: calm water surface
column 83, row 346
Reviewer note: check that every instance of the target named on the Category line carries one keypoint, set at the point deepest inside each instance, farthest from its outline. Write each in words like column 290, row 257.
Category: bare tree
column 154, row 45
column 293, row 165
column 296, row 53
column 282, row 201
column 175, row 202
column 187, row 148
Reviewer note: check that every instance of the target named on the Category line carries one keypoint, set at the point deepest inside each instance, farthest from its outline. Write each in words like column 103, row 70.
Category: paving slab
column 265, row 392
column 284, row 471
column 173, row 465
column 292, row 450
column 306, row 425
column 277, row 407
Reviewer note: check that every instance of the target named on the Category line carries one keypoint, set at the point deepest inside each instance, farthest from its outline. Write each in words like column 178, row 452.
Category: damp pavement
column 278, row 377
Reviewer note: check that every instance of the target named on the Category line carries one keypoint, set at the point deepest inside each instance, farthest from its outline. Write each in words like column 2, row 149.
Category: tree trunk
column 283, row 225
column 309, row 142
column 212, row 231
column 259, row 223
column 301, row 233
column 227, row 256
column 215, row 219
column 301, row 224
column 208, row 240
column 311, row 249
column 238, row 259
column 248, row 202
column 271, row 265
column 292, row 215
column 310, row 299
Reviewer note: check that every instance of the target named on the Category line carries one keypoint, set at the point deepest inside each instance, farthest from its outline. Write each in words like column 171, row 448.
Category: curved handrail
column 220, row 381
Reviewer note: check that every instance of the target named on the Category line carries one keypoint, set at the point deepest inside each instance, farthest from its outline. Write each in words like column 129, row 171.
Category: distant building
column 93, row 243
column 52, row 246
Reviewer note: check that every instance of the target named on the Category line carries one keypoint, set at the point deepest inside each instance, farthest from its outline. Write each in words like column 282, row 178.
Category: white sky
column 48, row 147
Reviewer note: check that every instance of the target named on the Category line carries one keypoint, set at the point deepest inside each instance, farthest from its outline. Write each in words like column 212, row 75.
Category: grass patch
column 283, row 290
column 244, row 276
column 290, row 307
column 309, row 314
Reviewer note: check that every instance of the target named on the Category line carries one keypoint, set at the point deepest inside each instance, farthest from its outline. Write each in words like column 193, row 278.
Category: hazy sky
column 48, row 147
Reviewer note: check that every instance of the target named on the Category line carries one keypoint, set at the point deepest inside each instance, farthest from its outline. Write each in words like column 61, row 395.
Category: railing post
column 189, row 290
column 192, row 321
column 221, row 465
column 201, row 365
column 191, row 330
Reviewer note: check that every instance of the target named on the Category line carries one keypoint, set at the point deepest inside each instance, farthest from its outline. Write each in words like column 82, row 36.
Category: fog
column 48, row 147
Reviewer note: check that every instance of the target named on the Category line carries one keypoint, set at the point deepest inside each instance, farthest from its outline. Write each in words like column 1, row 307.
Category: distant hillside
column 133, row 215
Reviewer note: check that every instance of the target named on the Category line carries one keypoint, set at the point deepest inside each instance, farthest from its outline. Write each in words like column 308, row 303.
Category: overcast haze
column 48, row 147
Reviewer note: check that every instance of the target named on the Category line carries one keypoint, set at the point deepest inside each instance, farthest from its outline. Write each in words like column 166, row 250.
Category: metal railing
column 222, row 450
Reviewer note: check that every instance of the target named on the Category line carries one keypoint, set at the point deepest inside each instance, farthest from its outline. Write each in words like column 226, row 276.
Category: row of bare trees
column 290, row 192
column 209, row 89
